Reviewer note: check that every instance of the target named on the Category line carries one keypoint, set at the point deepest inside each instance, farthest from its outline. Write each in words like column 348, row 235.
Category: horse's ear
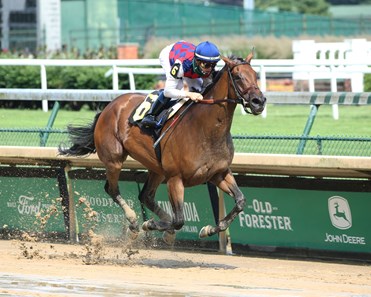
column 249, row 57
column 227, row 61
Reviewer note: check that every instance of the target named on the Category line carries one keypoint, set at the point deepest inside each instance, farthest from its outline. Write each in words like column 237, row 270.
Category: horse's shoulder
column 128, row 100
column 134, row 97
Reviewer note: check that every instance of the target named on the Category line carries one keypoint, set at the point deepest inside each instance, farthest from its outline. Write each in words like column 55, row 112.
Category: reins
column 239, row 95
column 175, row 120
column 216, row 101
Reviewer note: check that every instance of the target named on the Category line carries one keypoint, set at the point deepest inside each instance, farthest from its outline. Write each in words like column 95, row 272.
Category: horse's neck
column 222, row 112
column 220, row 90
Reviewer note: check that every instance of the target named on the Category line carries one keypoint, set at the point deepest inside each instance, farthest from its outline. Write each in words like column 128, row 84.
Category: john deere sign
column 322, row 220
column 341, row 219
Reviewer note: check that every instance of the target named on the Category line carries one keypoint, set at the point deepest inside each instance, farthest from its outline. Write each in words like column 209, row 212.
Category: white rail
column 331, row 69
column 44, row 63
column 318, row 98
column 334, row 68
column 291, row 165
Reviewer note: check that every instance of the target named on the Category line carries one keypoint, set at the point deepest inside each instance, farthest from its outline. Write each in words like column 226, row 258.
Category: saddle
column 142, row 109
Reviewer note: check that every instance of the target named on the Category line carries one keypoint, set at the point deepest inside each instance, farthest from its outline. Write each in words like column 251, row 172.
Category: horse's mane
column 218, row 74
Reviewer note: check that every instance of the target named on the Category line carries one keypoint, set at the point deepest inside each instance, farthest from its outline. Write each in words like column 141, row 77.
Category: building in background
column 38, row 24
column 88, row 25
column 30, row 24
column 49, row 27
column 18, row 24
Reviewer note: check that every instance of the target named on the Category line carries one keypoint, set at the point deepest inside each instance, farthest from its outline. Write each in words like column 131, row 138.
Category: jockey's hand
column 194, row 96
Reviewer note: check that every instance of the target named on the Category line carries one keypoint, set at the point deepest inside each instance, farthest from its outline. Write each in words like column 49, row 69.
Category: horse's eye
column 237, row 77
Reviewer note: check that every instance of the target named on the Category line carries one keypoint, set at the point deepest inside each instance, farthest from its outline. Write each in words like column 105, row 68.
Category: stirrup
column 149, row 121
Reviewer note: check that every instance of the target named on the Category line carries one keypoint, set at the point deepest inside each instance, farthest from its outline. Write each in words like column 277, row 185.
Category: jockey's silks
column 184, row 52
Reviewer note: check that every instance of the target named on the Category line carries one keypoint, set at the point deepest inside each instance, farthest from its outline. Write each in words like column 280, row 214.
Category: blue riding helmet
column 206, row 54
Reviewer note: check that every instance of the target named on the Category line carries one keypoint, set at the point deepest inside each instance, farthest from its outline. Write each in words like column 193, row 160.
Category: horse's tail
column 82, row 139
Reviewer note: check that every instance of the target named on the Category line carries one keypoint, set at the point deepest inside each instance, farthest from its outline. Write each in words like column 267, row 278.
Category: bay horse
column 198, row 149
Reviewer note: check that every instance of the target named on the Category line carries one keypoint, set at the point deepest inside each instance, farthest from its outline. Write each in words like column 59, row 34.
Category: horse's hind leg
column 228, row 185
column 113, row 170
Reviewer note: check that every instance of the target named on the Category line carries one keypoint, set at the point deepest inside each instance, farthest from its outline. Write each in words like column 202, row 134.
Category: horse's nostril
column 256, row 101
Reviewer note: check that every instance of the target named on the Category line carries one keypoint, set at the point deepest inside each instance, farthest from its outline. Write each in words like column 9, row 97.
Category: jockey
column 183, row 62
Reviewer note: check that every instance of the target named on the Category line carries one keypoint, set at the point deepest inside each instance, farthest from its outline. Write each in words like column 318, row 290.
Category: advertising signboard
column 30, row 204
column 197, row 211
column 111, row 221
column 310, row 219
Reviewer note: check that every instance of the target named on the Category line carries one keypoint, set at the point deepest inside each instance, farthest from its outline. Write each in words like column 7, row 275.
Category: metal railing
column 264, row 144
column 307, row 98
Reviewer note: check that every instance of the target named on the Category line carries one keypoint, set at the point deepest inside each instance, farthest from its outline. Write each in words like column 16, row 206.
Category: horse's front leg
column 227, row 184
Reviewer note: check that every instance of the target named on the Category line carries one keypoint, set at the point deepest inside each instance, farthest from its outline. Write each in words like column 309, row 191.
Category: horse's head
column 243, row 80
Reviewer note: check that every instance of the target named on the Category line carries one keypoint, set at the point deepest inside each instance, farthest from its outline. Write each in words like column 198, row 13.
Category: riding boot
column 150, row 119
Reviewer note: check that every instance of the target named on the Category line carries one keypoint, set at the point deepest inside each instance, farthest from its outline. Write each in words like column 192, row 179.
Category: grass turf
column 280, row 120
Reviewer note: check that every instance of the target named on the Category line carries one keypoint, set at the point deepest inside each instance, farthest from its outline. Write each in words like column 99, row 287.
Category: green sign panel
column 30, row 204
column 277, row 217
column 323, row 220
column 110, row 221
column 25, row 201
column 110, row 217
column 197, row 211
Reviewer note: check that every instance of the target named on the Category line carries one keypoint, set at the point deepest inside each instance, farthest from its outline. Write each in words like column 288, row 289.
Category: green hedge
column 68, row 78
column 76, row 78
column 20, row 77
column 81, row 78
column 28, row 77
column 367, row 83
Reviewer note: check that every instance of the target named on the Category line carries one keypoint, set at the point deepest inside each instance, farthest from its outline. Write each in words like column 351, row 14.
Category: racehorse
column 197, row 149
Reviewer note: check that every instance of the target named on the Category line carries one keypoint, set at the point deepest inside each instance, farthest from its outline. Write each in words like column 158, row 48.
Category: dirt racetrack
column 45, row 269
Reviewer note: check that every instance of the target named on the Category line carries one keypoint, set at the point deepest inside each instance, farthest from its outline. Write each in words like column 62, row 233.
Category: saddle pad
column 144, row 107
column 139, row 113
column 172, row 107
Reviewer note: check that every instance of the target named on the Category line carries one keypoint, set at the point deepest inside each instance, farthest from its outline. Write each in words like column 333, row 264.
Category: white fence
column 351, row 59
column 290, row 98
column 332, row 60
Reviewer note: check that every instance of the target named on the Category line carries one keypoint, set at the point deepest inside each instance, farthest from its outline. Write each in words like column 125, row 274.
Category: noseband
column 240, row 95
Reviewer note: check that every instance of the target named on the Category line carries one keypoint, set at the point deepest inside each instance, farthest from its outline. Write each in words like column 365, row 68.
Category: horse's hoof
column 205, row 231
column 132, row 235
column 169, row 237
column 146, row 226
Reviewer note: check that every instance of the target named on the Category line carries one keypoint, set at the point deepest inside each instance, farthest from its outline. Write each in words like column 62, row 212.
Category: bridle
column 240, row 94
